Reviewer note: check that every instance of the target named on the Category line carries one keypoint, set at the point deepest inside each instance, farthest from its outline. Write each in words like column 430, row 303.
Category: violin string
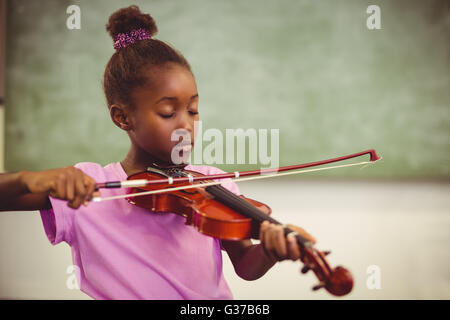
column 122, row 196
column 235, row 202
column 245, row 208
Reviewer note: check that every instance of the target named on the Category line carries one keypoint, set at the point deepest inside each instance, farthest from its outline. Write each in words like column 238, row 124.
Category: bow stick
column 235, row 176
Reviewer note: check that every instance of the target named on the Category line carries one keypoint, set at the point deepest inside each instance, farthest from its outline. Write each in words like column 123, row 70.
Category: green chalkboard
column 311, row 69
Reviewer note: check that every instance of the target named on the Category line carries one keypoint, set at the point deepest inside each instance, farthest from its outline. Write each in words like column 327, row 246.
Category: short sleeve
column 58, row 220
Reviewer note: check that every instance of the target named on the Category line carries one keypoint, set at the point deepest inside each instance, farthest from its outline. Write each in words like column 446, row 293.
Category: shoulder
column 89, row 167
column 98, row 172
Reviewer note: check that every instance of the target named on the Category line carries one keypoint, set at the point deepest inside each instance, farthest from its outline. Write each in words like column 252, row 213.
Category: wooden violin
column 215, row 211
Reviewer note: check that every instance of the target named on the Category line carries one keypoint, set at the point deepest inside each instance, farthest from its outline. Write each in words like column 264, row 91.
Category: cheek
column 196, row 120
column 154, row 132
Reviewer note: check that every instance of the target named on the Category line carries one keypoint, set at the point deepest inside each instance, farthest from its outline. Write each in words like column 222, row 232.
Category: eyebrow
column 175, row 98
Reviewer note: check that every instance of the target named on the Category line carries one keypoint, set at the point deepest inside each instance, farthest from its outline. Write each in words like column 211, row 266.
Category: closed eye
column 167, row 116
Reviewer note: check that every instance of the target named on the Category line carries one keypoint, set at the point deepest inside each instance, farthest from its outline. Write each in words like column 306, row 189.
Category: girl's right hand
column 67, row 183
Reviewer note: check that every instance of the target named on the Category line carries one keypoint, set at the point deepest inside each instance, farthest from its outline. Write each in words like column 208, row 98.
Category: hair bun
column 126, row 19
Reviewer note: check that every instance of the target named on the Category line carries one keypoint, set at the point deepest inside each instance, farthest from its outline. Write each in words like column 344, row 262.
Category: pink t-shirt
column 126, row 252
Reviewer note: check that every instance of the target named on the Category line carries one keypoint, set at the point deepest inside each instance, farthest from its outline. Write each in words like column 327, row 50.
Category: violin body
column 200, row 209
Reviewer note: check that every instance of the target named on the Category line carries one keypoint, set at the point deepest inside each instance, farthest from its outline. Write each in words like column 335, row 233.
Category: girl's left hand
column 278, row 247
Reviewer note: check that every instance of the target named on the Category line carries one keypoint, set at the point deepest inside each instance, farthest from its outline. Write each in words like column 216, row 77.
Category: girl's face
column 171, row 103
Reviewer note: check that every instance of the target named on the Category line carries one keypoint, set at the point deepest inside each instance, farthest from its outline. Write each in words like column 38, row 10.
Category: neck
column 138, row 160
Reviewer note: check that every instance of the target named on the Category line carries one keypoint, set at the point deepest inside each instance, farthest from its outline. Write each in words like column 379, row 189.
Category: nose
column 185, row 127
column 186, row 122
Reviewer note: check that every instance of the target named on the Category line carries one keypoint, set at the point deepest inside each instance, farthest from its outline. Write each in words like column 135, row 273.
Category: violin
column 217, row 212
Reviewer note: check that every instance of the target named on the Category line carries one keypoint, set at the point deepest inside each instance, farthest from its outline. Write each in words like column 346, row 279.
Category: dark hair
column 125, row 69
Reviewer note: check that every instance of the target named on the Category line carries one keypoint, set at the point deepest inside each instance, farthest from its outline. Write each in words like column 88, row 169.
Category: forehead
column 171, row 81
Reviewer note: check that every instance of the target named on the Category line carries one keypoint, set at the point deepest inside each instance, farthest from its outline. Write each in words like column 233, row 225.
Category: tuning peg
column 318, row 286
column 326, row 252
column 305, row 269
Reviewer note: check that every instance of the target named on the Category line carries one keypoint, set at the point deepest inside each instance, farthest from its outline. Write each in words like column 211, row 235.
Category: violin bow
column 235, row 176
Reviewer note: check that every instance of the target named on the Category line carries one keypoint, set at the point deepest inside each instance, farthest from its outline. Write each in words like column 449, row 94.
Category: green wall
column 311, row 69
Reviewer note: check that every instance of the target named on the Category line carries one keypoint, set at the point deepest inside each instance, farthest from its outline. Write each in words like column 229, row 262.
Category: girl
column 123, row 251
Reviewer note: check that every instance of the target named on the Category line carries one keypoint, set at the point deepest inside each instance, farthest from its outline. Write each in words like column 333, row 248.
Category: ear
column 120, row 115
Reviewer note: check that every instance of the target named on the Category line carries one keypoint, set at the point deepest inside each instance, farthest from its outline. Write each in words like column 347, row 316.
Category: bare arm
column 11, row 186
column 14, row 194
column 28, row 190
column 252, row 261
column 249, row 260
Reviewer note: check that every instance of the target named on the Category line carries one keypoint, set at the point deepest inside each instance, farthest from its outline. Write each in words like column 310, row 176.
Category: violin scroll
column 340, row 282
column 337, row 281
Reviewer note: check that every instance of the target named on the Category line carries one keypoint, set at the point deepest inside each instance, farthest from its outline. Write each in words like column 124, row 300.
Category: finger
column 80, row 189
column 293, row 247
column 89, row 197
column 268, row 238
column 267, row 243
column 70, row 189
column 279, row 241
column 90, row 185
column 262, row 229
column 60, row 188
column 96, row 194
column 273, row 242
column 74, row 203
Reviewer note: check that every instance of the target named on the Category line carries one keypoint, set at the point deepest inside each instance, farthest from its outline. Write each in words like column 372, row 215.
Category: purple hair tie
column 123, row 40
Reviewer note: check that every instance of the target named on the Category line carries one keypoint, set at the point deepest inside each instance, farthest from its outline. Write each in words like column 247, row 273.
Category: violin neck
column 245, row 208
column 238, row 204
